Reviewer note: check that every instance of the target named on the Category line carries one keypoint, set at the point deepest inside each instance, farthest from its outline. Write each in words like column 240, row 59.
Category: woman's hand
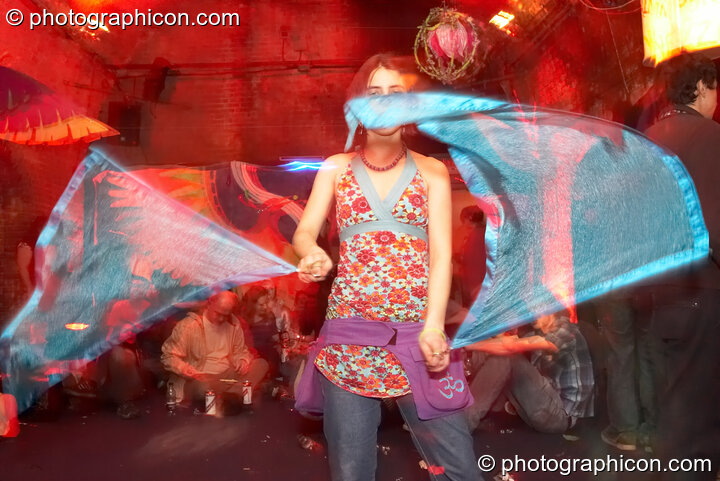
column 435, row 348
column 315, row 266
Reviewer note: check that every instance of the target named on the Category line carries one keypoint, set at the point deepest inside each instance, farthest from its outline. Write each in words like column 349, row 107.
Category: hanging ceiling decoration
column 31, row 113
column 446, row 47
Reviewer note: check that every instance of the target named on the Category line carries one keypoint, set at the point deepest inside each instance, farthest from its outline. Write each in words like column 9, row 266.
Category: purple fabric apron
column 435, row 394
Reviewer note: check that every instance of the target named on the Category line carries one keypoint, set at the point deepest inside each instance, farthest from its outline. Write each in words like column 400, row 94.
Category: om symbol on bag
column 450, row 385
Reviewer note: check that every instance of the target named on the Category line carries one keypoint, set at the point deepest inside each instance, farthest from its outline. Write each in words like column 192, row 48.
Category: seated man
column 550, row 390
column 208, row 351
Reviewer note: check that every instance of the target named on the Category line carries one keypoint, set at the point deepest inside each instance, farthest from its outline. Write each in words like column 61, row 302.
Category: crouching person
column 550, row 389
column 208, row 351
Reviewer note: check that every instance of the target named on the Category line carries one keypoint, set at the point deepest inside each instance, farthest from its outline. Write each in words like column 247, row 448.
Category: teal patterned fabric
column 577, row 206
column 113, row 238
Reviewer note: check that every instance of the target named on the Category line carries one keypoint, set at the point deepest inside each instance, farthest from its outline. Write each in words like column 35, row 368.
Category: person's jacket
column 696, row 141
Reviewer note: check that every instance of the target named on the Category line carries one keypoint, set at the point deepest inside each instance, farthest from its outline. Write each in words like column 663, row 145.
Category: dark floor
column 261, row 445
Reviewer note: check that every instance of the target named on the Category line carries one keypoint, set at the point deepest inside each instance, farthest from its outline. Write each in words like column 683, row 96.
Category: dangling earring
column 362, row 129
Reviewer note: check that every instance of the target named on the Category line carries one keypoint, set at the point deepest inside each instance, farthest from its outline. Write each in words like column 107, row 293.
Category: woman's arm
column 503, row 345
column 314, row 262
column 440, row 244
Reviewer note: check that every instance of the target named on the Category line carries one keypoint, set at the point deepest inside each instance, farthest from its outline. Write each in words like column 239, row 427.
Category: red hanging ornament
column 446, row 47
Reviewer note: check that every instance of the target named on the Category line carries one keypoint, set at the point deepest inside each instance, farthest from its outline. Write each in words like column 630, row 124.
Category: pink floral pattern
column 381, row 276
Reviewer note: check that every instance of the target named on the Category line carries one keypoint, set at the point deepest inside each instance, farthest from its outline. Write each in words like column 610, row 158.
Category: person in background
column 117, row 376
column 473, row 254
column 550, row 390
column 631, row 404
column 686, row 302
column 120, row 368
column 208, row 351
column 256, row 311
column 24, row 256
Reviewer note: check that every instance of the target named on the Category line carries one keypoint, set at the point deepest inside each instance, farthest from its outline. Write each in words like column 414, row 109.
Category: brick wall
column 32, row 178
column 275, row 86
column 580, row 68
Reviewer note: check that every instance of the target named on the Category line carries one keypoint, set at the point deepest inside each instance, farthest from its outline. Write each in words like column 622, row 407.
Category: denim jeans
column 351, row 422
column 630, row 367
column 492, row 374
column 537, row 402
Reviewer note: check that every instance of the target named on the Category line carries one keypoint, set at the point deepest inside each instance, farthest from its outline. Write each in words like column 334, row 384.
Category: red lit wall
column 33, row 178
column 582, row 69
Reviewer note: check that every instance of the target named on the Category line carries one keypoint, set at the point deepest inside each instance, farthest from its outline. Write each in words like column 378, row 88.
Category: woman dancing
column 384, row 337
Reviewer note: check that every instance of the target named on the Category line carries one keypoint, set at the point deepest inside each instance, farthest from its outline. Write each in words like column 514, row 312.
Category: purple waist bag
column 435, row 394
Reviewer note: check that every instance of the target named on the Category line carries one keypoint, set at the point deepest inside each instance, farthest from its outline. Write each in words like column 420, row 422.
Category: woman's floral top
column 382, row 276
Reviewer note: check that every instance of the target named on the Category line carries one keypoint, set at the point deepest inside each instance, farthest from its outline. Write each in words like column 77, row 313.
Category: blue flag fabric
column 576, row 206
column 116, row 255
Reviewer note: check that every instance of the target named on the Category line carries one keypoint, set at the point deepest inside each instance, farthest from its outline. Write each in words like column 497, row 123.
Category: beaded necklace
column 392, row 164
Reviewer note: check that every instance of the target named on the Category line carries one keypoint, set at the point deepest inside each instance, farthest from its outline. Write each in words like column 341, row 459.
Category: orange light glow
column 501, row 20
column 76, row 326
column 101, row 26
column 671, row 26
column 93, row 9
column 91, row 5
